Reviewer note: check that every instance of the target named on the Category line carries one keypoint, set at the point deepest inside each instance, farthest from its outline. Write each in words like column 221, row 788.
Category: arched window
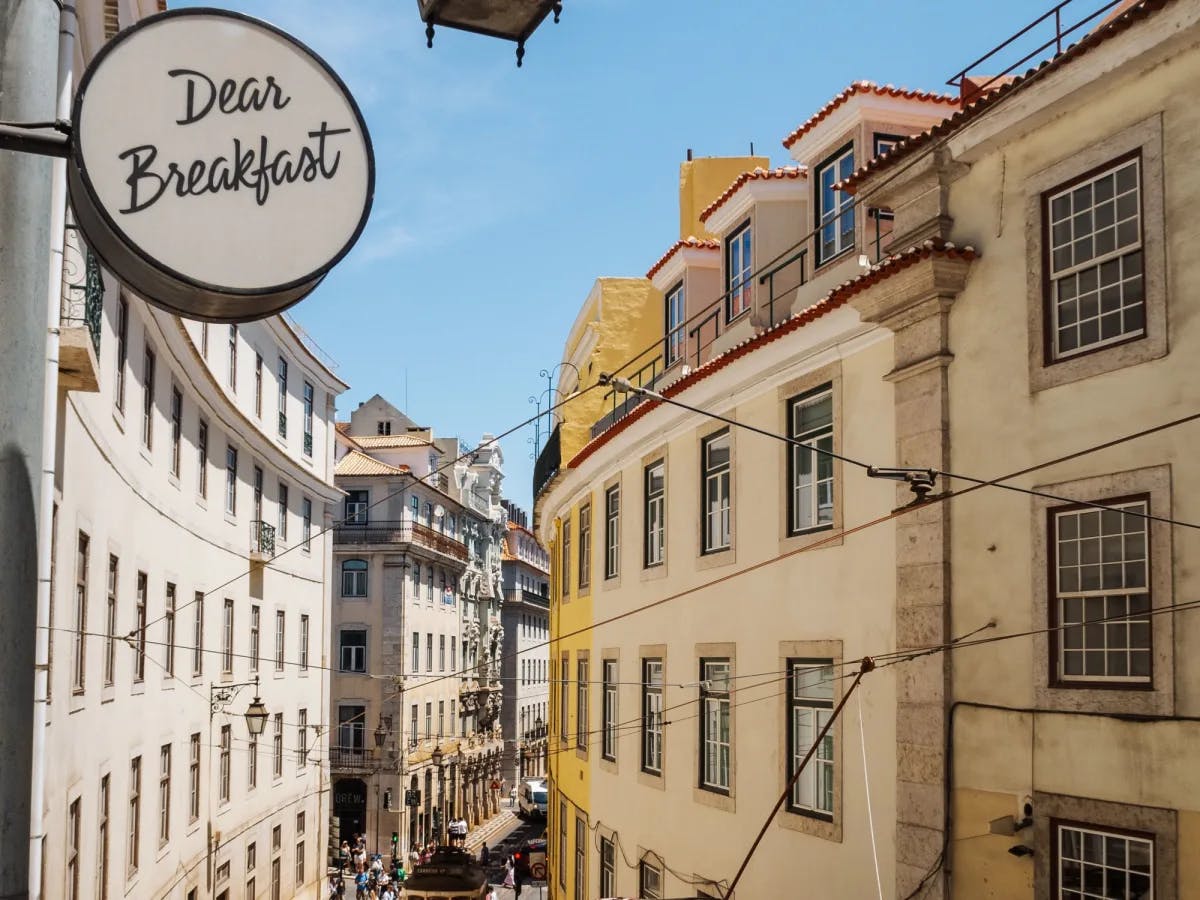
column 354, row 578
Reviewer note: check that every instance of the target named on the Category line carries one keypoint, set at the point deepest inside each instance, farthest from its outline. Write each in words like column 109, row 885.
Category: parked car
column 532, row 798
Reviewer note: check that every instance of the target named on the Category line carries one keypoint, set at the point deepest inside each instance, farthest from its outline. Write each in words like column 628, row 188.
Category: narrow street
column 503, row 841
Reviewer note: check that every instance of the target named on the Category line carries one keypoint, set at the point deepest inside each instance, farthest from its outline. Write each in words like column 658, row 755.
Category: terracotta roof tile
column 758, row 174
column 831, row 301
column 1134, row 14
column 866, row 87
column 356, row 463
column 385, row 441
column 698, row 243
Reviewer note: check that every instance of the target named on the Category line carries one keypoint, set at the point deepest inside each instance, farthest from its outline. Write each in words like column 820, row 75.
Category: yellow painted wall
column 981, row 866
column 569, row 776
column 701, row 181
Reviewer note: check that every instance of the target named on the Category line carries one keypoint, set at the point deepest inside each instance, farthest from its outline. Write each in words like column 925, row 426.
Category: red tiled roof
column 1140, row 11
column 698, row 243
column 831, row 301
column 866, row 87
column 758, row 174
column 358, row 463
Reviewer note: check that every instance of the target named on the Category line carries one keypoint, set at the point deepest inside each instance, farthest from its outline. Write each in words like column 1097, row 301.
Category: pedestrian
column 335, row 878
column 485, row 855
column 344, row 857
column 360, row 886
column 491, row 893
column 509, row 876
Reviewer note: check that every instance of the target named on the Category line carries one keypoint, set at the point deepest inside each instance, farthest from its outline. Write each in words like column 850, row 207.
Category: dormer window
column 739, row 265
column 676, row 322
column 383, row 427
column 883, row 143
column 835, row 209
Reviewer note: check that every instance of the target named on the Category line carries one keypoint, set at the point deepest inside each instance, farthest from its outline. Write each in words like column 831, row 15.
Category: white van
column 532, row 798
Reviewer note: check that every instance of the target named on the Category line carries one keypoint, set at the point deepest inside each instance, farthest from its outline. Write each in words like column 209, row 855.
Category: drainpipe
column 58, row 213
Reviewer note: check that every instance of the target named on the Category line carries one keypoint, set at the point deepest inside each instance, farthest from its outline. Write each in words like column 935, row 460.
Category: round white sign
column 221, row 168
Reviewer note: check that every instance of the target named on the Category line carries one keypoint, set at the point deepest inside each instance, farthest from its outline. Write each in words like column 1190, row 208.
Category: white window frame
column 716, row 724
column 612, row 532
column 652, row 710
column 739, row 272
column 650, row 879
column 655, row 505
column 830, row 172
column 354, row 578
column 585, row 546
column 716, row 494
column 675, row 309
column 608, row 713
column 810, row 706
column 1089, row 835
column 806, row 510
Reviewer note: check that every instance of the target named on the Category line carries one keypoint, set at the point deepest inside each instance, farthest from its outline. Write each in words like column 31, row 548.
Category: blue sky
column 502, row 193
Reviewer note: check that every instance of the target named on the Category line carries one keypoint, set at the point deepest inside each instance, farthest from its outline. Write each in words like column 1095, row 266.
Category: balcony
column 262, row 540
column 646, row 377
column 79, row 328
column 548, row 462
column 352, row 759
column 404, row 531
column 521, row 595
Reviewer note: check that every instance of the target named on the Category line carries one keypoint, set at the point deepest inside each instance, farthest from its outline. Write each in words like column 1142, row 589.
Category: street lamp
column 256, row 715
column 381, row 733
column 513, row 20
column 436, row 758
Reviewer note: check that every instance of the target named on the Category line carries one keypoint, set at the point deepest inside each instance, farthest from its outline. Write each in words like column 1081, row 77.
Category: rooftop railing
column 402, row 531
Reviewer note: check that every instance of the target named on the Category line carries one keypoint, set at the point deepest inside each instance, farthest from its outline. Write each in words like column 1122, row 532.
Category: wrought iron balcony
column 647, row 376
column 352, row 759
column 262, row 540
column 404, row 531
column 522, row 595
column 308, row 443
column 79, row 318
column 548, row 462
column 282, row 424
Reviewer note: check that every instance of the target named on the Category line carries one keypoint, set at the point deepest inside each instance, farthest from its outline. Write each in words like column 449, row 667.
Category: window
column 585, row 545
column 562, row 843
column 281, row 530
column 198, row 634
column 223, row 770
column 110, row 623
column 714, row 724
column 715, row 490
column 233, row 338
column 441, row 732
column 280, row 627
column 354, row 650
column 564, row 697
column 169, row 616
column 612, row 532
column 73, row 819
column 416, row 585
column 202, row 459
column 416, row 652
column 655, row 521
column 413, row 737
column 122, row 352
column 453, row 653
column 176, row 428
column 1094, row 260
column 139, row 658
column 302, row 739
column 835, row 209
column 276, row 879
column 649, row 880
column 566, row 557
column 429, row 586
column 306, row 522
column 303, row 642
column 581, row 704
column 608, row 743
column 251, row 857
column 231, row 468
column 276, row 838
column 78, row 654
column 308, row 419
column 428, row 733
column 164, row 794
column 258, row 494
column 441, row 653
column 608, row 868
column 1101, row 566
column 299, row 863
column 102, row 841
column 258, row 384
column 277, row 746
column 581, row 845
column 352, row 727
column 194, row 777
column 227, row 637
column 652, row 708
column 354, row 578
column 134, row 816
column 810, row 705
column 883, row 143
column 148, row 399
column 1093, row 863
column 739, row 266
column 428, row 652
column 810, row 468
column 252, row 763
column 283, row 372
column 255, row 631
column 676, row 313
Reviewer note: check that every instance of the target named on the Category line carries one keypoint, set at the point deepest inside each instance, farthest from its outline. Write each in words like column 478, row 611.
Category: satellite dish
column 439, row 511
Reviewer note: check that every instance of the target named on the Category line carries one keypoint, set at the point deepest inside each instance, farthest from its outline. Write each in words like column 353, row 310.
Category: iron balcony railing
column 647, row 377
column 522, row 595
column 308, row 443
column 352, row 758
column 262, row 538
column 282, row 424
column 404, row 531
column 83, row 304
column 548, row 462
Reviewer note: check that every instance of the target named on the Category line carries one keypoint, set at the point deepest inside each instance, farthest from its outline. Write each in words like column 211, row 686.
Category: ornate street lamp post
column 219, row 698
column 381, row 734
column 513, row 20
column 436, row 758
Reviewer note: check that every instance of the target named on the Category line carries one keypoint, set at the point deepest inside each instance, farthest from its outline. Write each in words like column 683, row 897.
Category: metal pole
column 28, row 79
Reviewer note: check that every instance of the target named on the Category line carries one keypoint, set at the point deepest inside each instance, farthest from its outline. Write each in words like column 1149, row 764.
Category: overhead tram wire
column 383, row 499
column 624, row 384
